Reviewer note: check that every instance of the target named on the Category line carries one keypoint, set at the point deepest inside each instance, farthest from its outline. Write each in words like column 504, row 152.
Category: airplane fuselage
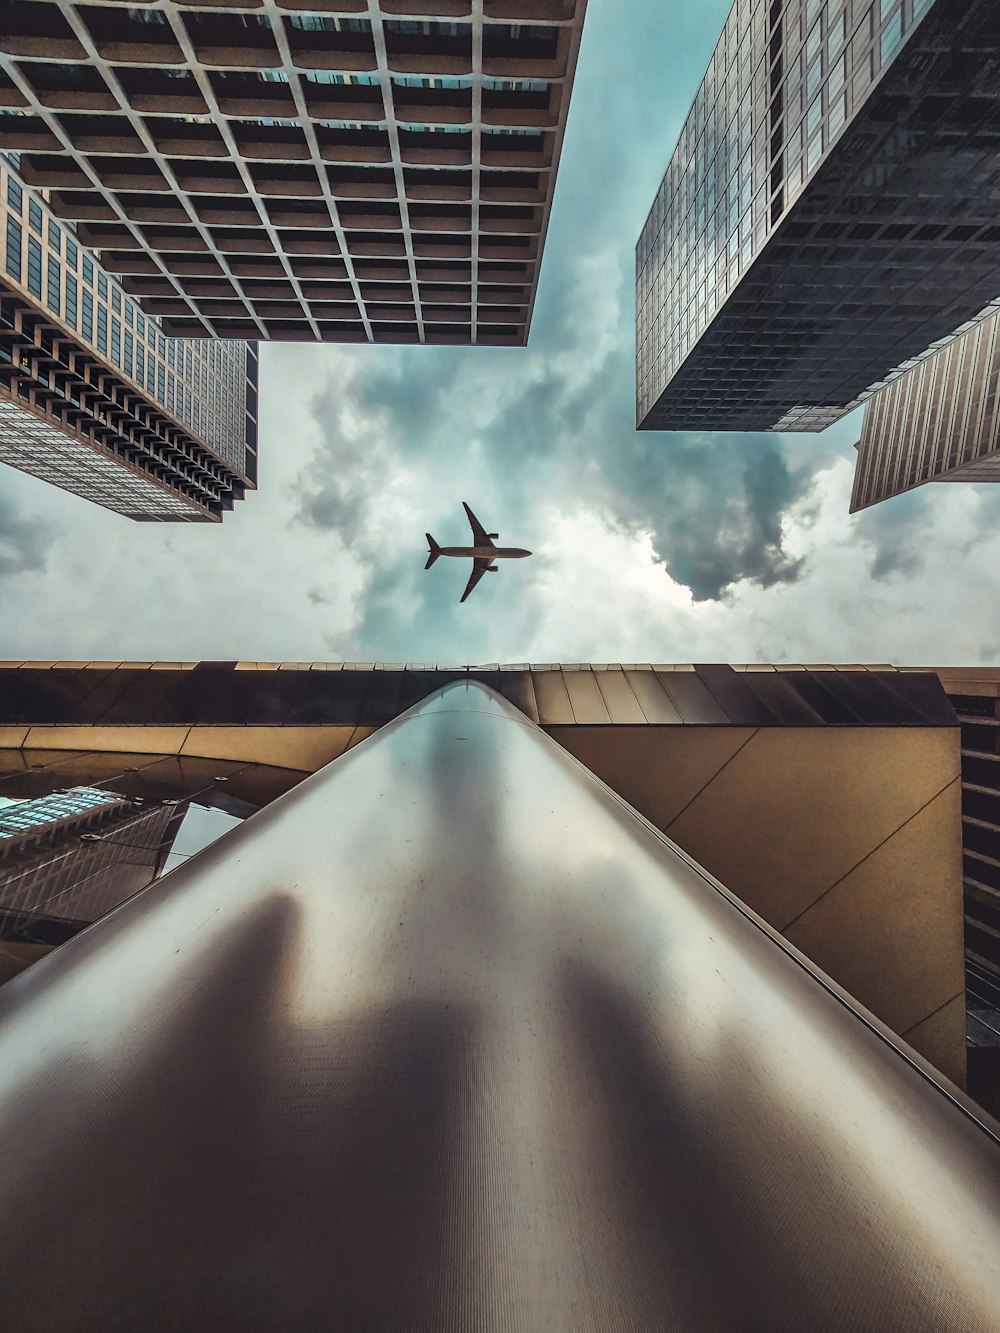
column 485, row 552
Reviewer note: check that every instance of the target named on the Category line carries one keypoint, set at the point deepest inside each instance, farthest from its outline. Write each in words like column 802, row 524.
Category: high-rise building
column 277, row 171
column 938, row 422
column 95, row 399
column 69, row 857
column 828, row 216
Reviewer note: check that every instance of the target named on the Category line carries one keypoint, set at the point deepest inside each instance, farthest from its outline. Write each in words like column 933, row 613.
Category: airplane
column 482, row 554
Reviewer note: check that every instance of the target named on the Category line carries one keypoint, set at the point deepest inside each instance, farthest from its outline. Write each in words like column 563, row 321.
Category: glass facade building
column 262, row 171
column 95, row 398
column 70, row 856
column 828, row 216
column 938, row 422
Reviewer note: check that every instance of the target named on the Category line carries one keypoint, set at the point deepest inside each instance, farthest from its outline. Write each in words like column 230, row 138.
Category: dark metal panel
column 789, row 707
column 516, row 686
column 145, row 699
column 924, row 693
column 585, row 698
column 323, row 698
column 52, row 694
column 108, row 687
column 381, row 703
column 691, row 697
column 656, row 704
column 862, row 696
column 809, row 685
column 218, row 698
column 507, row 1061
column 554, row 707
column 733, row 695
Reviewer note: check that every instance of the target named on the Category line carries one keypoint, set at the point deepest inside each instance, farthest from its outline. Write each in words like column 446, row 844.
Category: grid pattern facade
column 95, row 399
column 828, row 216
column 69, row 881
column 379, row 173
column 57, row 807
column 938, row 422
column 978, row 709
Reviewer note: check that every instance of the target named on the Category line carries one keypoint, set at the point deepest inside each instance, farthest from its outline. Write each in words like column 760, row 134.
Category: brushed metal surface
column 448, row 1038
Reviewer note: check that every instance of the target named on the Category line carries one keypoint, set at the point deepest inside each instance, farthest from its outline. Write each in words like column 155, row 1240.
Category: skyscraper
column 271, row 171
column 95, row 399
column 828, row 216
column 71, row 856
column 938, row 422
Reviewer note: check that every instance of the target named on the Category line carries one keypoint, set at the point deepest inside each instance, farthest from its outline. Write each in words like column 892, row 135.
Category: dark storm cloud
column 895, row 532
column 24, row 542
column 337, row 490
column 714, row 507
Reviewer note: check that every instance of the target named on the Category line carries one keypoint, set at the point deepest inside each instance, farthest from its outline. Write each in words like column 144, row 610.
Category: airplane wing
column 479, row 568
column 480, row 536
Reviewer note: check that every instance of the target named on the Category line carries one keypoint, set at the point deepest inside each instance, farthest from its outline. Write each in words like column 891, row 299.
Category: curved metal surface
column 449, row 1038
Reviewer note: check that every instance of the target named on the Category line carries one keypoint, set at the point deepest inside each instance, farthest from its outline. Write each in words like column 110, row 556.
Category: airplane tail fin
column 435, row 550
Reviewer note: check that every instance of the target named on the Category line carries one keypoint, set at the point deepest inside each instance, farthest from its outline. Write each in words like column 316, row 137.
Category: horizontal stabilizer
column 435, row 550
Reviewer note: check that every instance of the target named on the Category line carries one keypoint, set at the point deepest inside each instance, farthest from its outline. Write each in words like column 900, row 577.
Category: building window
column 102, row 328
column 88, row 269
column 71, row 294
column 34, row 268
column 15, row 195
column 14, row 248
column 161, row 382
column 102, row 284
column 53, row 285
column 71, row 253
column 87, row 323
column 129, row 314
column 35, row 216
column 116, row 341
column 116, row 300
column 892, row 36
column 55, row 236
column 128, row 348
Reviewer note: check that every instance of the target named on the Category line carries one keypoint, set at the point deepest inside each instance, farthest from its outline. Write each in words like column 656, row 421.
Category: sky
column 661, row 547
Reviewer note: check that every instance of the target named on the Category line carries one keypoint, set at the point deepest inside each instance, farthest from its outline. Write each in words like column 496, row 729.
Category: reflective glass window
column 34, row 267
column 53, row 285
column 14, row 248
column 71, row 300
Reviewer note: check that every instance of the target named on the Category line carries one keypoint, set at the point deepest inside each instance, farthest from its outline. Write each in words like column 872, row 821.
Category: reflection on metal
column 448, row 1038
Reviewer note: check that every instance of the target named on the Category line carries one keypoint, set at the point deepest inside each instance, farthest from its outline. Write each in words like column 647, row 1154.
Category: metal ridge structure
column 514, row 1063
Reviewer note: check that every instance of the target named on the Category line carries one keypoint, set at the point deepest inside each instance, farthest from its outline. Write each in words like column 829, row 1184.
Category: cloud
column 25, row 542
column 650, row 546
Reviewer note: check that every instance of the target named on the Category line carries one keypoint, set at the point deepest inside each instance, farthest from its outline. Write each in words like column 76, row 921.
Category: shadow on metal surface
column 448, row 1038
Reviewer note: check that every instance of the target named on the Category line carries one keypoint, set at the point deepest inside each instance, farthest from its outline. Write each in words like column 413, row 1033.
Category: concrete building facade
column 828, row 216
column 95, row 399
column 383, row 173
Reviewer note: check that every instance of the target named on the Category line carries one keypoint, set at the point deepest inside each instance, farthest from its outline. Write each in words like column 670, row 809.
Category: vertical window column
column 14, row 259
